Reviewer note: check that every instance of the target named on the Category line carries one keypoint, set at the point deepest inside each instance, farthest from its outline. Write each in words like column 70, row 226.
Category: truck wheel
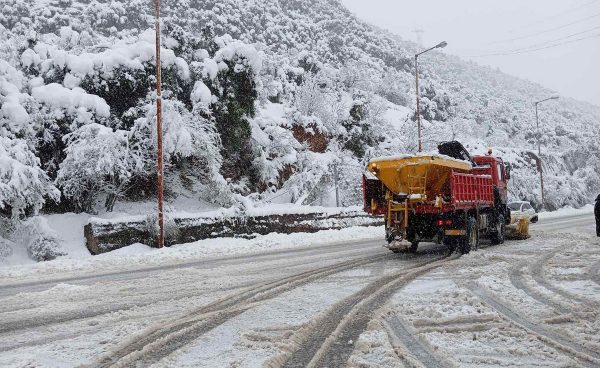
column 450, row 242
column 471, row 240
column 497, row 237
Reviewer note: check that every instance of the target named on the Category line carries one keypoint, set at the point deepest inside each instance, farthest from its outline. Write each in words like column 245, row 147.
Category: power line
column 527, row 50
column 561, row 14
column 537, row 45
column 550, row 41
column 547, row 30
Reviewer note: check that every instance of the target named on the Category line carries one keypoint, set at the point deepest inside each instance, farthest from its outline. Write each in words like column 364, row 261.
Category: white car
column 520, row 209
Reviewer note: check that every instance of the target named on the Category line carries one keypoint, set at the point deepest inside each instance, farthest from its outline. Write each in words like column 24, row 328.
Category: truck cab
column 498, row 170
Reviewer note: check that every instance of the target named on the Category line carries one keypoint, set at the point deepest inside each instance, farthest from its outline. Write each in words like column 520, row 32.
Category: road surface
column 532, row 303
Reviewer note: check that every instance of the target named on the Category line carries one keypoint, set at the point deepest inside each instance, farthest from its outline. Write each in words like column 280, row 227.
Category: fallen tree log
column 107, row 235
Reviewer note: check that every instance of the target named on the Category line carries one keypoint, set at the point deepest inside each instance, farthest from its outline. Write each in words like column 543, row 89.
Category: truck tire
column 450, row 242
column 471, row 240
column 497, row 236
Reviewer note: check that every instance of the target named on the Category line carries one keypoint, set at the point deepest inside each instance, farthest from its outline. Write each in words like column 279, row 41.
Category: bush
column 41, row 241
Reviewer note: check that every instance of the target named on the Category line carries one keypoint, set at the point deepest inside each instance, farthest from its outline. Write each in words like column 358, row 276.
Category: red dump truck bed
column 467, row 191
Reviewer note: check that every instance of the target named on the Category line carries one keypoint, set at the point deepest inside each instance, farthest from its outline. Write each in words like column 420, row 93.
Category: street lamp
column 438, row 46
column 537, row 123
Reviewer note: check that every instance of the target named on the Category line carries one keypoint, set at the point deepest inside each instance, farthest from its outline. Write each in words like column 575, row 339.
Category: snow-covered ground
column 335, row 298
column 69, row 231
column 529, row 303
column 568, row 211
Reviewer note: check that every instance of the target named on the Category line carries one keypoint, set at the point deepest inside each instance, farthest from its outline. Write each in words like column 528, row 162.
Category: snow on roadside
column 142, row 256
column 69, row 227
column 566, row 212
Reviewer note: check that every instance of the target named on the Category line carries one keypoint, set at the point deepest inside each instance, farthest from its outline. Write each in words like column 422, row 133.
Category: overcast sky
column 482, row 27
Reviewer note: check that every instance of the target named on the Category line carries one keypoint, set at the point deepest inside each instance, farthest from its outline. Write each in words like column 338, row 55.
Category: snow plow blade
column 519, row 230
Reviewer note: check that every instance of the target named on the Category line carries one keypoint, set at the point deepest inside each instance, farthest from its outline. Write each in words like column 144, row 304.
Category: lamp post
column 537, row 123
column 438, row 46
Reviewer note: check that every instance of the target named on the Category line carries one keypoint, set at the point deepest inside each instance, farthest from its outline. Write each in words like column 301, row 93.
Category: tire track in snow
column 163, row 340
column 127, row 275
column 594, row 272
column 20, row 326
column 331, row 340
column 60, row 335
column 516, row 278
column 401, row 334
column 49, row 320
column 537, row 273
column 581, row 354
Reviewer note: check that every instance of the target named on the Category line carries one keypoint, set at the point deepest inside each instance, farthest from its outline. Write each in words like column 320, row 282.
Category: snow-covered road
column 528, row 303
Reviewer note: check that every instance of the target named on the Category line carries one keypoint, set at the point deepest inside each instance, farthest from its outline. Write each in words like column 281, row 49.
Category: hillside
column 264, row 101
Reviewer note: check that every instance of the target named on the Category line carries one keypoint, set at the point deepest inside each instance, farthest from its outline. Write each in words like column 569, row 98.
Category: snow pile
column 42, row 243
column 567, row 211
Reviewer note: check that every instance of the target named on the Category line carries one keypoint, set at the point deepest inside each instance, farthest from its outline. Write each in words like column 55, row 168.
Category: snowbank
column 567, row 212
column 141, row 256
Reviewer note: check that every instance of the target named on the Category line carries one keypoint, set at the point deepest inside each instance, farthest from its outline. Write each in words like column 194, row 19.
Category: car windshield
column 514, row 206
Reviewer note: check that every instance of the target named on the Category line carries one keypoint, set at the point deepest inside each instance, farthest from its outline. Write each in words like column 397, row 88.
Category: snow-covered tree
column 99, row 161
column 24, row 186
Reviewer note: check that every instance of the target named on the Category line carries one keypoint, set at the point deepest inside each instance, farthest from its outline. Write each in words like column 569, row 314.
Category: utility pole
column 419, row 36
column 537, row 123
column 418, row 102
column 335, row 179
column 438, row 46
column 159, row 132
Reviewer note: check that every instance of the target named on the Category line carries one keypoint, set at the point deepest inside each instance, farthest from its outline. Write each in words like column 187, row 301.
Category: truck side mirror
column 508, row 169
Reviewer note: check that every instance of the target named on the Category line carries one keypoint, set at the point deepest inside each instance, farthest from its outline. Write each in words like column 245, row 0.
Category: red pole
column 418, row 103
column 159, row 137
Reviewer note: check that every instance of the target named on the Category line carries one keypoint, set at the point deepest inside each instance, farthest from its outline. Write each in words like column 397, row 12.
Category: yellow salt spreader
column 447, row 197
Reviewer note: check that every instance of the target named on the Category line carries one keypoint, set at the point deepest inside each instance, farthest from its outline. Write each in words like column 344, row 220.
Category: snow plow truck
column 450, row 197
